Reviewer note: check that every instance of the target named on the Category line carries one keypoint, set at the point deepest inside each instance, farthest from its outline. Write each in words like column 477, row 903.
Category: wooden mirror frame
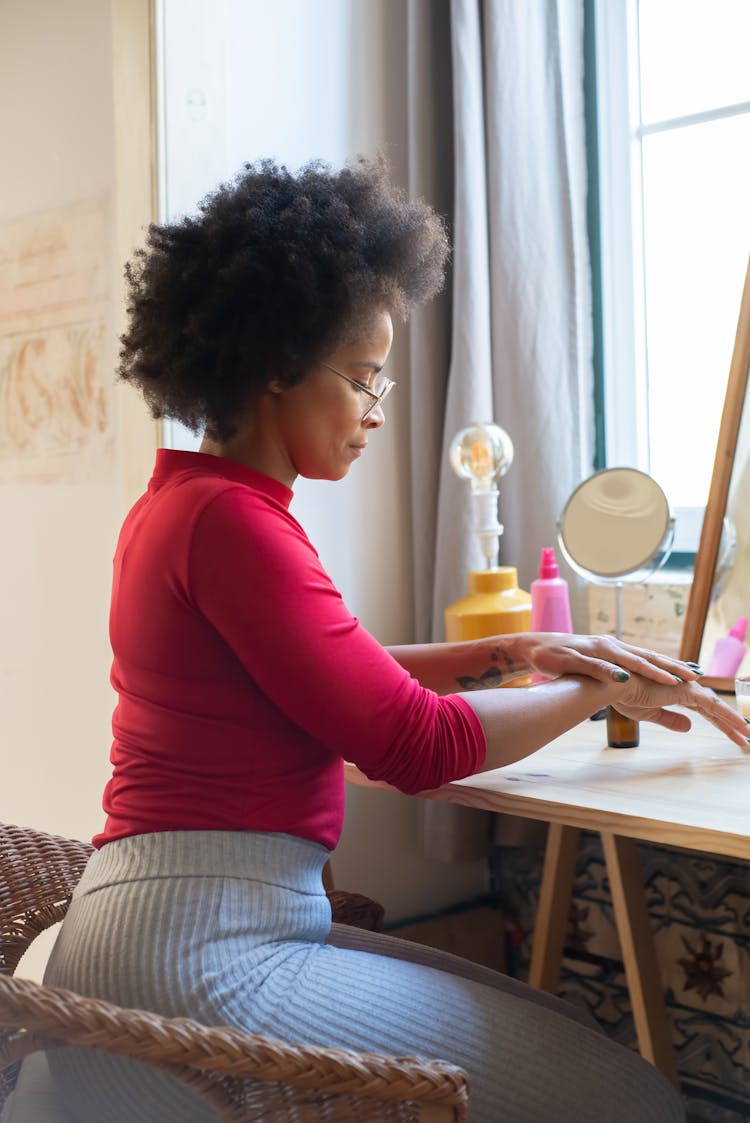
column 718, row 495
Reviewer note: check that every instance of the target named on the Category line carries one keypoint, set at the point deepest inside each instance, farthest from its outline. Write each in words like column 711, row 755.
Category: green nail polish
column 678, row 680
column 620, row 676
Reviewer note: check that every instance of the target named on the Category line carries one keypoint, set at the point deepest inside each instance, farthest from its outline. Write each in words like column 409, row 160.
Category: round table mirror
column 616, row 526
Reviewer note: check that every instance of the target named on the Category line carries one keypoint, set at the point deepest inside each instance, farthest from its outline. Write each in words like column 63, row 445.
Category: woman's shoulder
column 177, row 469
column 221, row 506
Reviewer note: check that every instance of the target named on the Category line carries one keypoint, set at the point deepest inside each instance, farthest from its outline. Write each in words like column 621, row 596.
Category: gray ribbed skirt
column 235, row 929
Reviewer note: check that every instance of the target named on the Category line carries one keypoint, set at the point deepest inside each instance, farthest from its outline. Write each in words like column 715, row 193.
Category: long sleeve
column 276, row 607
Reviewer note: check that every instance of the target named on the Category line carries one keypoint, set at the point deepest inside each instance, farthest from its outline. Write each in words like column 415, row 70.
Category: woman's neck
column 250, row 446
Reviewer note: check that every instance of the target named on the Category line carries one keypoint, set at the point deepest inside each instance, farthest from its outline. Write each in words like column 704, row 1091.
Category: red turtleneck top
column 243, row 681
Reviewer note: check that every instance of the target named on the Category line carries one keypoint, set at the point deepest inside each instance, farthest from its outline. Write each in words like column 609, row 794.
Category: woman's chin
column 330, row 475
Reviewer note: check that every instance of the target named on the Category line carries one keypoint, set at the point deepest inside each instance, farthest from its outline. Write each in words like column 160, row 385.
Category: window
column 672, row 111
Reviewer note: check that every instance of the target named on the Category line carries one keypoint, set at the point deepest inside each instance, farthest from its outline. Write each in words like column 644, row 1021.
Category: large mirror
column 720, row 593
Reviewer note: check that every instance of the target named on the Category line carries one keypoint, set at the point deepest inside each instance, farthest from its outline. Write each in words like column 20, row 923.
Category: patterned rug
column 700, row 914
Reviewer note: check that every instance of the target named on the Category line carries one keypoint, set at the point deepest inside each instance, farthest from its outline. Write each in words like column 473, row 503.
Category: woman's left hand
column 644, row 701
column 599, row 657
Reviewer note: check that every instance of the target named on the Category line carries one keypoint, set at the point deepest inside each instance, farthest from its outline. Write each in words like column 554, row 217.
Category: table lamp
column 480, row 454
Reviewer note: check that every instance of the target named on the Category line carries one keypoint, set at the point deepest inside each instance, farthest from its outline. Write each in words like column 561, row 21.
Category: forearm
column 494, row 660
column 449, row 668
column 518, row 722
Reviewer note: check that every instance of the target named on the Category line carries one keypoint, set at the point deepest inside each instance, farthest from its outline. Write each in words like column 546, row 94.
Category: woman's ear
column 275, row 387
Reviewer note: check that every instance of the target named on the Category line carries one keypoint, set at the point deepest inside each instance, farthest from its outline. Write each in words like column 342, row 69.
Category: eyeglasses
column 377, row 393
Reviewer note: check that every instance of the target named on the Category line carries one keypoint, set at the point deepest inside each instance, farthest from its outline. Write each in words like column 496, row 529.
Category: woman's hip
column 171, row 922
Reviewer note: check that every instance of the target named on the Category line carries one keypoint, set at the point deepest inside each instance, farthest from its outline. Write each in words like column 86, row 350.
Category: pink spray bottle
column 550, row 605
column 728, row 653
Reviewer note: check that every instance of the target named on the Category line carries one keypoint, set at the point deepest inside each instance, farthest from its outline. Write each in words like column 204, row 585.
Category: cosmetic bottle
column 622, row 732
column 493, row 606
column 550, row 605
column 729, row 652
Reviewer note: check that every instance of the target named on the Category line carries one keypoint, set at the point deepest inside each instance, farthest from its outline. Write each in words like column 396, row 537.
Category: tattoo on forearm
column 502, row 669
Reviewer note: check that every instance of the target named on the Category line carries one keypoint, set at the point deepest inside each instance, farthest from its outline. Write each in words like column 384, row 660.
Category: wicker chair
column 245, row 1077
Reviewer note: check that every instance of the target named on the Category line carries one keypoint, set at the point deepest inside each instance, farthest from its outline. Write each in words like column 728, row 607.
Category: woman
column 243, row 682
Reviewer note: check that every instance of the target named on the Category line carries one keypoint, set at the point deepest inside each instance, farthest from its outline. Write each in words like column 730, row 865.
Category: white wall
column 56, row 120
column 297, row 80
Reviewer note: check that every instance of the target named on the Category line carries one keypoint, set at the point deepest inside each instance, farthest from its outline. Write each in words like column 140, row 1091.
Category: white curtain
column 520, row 330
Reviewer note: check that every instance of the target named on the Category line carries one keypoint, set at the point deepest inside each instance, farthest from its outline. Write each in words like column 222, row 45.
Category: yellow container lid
column 498, row 579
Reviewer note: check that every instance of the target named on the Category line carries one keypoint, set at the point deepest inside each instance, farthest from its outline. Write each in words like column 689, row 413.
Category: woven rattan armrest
column 215, row 1060
column 38, row 873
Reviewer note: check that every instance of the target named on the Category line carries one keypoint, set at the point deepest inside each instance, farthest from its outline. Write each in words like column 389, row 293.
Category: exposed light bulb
column 480, row 454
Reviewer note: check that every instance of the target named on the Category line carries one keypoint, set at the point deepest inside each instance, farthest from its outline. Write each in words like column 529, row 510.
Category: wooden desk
column 690, row 790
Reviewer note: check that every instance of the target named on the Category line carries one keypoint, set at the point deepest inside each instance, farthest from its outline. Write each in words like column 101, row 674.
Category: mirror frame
column 718, row 495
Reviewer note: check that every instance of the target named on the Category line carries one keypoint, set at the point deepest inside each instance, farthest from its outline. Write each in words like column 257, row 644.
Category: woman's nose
column 375, row 418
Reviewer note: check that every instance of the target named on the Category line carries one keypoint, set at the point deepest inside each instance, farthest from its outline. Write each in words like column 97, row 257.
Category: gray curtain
column 430, row 161
column 521, row 343
column 517, row 348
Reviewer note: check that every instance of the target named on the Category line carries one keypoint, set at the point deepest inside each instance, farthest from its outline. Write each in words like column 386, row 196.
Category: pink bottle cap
column 548, row 564
column 739, row 631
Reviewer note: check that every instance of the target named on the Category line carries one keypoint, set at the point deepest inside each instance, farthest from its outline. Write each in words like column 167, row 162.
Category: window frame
column 621, row 329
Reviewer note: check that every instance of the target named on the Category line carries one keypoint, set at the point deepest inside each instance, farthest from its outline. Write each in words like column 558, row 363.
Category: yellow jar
column 494, row 605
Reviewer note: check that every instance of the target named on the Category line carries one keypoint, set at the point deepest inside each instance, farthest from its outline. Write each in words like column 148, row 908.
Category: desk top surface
column 683, row 789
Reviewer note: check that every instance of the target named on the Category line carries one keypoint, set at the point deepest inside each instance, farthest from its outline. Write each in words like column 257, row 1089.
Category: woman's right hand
column 645, row 700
